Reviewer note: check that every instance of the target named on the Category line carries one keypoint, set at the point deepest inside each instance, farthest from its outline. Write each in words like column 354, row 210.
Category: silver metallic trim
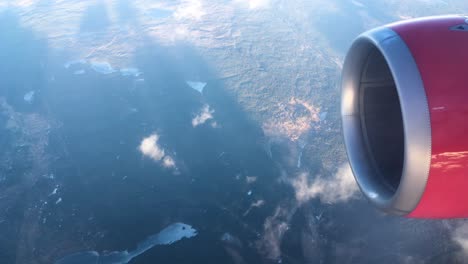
column 415, row 114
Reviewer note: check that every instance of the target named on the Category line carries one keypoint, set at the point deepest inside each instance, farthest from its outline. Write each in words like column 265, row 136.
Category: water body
column 104, row 118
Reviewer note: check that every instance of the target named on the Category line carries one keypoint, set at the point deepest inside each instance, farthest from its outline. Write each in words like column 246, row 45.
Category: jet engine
column 404, row 110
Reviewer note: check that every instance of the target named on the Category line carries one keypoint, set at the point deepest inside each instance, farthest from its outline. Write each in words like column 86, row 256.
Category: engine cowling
column 404, row 109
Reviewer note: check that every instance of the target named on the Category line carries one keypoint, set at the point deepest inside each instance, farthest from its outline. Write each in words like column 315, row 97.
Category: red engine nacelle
column 405, row 116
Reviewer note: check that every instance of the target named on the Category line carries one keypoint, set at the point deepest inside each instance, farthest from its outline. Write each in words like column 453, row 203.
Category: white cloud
column 214, row 124
column 254, row 4
column 256, row 204
column 339, row 188
column 190, row 9
column 274, row 228
column 205, row 115
column 460, row 236
column 168, row 162
column 24, row 3
column 458, row 229
column 150, row 148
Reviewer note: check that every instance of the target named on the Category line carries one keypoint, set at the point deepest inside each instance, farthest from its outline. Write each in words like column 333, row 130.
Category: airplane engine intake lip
column 414, row 114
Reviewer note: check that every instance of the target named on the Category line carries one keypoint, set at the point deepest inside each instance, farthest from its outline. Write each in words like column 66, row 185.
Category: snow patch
column 197, row 86
column 130, row 72
column 73, row 62
column 323, row 116
column 250, row 179
column 79, row 72
column 103, row 67
column 299, row 159
column 227, row 237
column 29, row 97
column 54, row 191
column 357, row 3
column 167, row 236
